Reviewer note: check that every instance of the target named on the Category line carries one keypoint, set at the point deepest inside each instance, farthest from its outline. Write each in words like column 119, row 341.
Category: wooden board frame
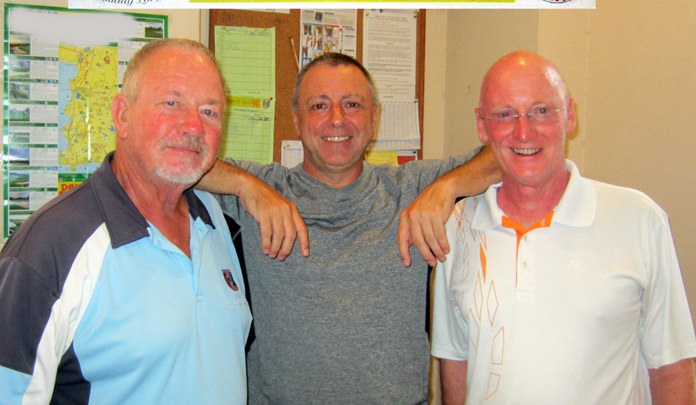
column 287, row 27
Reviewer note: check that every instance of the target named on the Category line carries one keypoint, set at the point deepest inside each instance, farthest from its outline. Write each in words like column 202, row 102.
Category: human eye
column 540, row 111
column 352, row 104
column 543, row 113
column 317, row 106
column 209, row 112
column 317, row 103
column 171, row 103
column 504, row 115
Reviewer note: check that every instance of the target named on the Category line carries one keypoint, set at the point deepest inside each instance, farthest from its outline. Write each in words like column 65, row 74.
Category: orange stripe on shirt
column 482, row 258
column 521, row 231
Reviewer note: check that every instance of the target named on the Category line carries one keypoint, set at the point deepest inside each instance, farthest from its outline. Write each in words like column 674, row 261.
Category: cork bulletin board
column 287, row 26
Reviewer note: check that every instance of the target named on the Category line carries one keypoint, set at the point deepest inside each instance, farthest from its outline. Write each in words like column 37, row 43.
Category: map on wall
column 63, row 68
column 86, row 85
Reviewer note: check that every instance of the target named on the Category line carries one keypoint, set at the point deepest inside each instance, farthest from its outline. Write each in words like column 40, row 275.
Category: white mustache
column 187, row 142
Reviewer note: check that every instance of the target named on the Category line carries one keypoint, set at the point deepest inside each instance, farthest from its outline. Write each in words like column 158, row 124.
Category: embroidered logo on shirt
column 229, row 279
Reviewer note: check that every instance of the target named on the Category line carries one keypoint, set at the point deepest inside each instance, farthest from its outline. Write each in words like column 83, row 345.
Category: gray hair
column 132, row 75
column 333, row 59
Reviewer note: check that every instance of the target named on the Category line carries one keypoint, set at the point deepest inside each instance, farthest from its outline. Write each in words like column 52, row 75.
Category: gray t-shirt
column 345, row 325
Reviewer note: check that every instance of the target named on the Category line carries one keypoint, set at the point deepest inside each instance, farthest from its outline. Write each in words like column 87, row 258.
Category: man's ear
column 481, row 126
column 296, row 121
column 571, row 119
column 375, row 119
column 120, row 108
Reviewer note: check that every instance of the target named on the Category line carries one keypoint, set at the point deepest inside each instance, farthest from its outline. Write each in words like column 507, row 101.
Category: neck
column 527, row 204
column 161, row 203
column 335, row 180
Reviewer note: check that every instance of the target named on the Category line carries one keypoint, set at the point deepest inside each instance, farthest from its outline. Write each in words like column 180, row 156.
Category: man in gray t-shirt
column 346, row 324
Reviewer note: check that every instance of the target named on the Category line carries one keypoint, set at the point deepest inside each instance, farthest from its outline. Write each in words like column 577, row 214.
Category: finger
column 294, row 229
column 424, row 250
column 419, row 237
column 442, row 241
column 302, row 233
column 429, row 242
column 277, row 238
column 266, row 231
column 289, row 234
column 403, row 240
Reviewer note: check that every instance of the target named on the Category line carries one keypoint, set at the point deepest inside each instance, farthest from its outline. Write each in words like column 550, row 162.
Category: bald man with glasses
column 558, row 289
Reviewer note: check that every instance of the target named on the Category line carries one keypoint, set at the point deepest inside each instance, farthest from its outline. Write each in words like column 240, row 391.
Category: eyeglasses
column 507, row 119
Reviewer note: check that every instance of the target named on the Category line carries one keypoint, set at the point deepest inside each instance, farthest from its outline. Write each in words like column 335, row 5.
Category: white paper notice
column 398, row 127
column 291, row 153
column 389, row 52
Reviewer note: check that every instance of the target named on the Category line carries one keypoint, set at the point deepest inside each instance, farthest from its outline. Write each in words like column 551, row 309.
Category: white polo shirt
column 573, row 311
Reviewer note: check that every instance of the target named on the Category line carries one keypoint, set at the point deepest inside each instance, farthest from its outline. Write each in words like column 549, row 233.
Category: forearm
column 280, row 223
column 474, row 176
column 673, row 384
column 453, row 381
column 422, row 222
column 225, row 178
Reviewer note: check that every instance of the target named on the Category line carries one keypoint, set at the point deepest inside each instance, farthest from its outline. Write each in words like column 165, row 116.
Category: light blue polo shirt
column 134, row 320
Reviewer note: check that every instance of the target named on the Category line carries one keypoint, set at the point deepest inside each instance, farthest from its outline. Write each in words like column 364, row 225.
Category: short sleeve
column 667, row 326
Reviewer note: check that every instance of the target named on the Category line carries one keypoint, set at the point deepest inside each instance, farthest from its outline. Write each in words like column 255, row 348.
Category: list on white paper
column 389, row 52
column 399, row 127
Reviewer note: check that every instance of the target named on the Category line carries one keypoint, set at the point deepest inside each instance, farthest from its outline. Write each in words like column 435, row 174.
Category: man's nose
column 523, row 127
column 337, row 115
column 192, row 122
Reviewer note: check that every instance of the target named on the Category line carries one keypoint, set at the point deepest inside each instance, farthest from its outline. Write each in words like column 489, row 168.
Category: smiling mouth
column 335, row 138
column 526, row 152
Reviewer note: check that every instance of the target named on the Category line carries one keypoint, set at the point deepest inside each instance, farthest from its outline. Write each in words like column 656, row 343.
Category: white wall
column 629, row 65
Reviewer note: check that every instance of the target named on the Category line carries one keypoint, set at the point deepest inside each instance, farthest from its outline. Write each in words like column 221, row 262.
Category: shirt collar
column 345, row 194
column 577, row 206
column 123, row 220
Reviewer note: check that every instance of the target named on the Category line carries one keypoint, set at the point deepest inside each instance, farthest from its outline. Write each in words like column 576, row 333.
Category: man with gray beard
column 127, row 289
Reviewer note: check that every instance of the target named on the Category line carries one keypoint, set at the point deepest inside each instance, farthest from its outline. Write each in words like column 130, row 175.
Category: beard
column 188, row 170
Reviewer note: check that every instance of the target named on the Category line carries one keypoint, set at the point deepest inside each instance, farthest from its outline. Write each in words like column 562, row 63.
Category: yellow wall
column 629, row 65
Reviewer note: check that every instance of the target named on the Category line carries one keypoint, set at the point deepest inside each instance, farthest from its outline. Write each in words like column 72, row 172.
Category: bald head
column 525, row 113
column 517, row 65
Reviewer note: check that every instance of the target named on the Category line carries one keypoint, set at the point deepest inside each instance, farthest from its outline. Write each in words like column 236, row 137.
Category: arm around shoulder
column 422, row 222
column 279, row 220
column 474, row 176
column 225, row 178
